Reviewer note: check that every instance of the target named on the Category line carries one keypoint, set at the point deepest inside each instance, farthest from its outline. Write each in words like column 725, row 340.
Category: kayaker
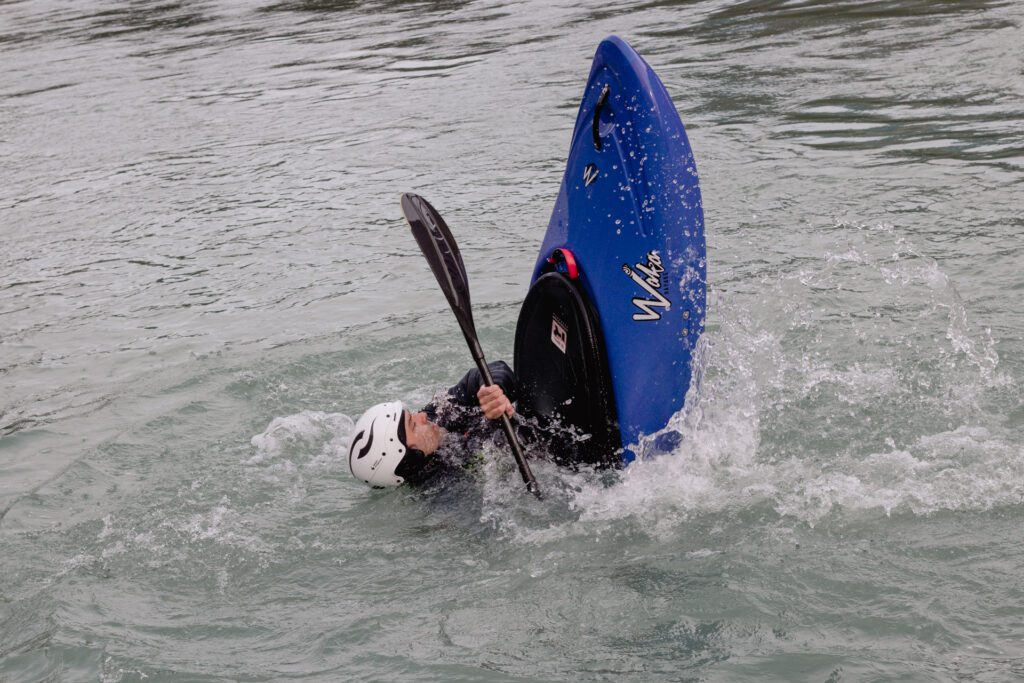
column 392, row 446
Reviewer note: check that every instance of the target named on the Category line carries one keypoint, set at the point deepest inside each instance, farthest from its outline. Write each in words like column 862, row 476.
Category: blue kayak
column 605, row 340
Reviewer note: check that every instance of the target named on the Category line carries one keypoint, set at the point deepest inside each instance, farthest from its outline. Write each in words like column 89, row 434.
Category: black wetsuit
column 458, row 412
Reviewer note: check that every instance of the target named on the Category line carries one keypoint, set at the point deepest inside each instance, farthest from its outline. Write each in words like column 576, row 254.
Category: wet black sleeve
column 454, row 412
column 464, row 393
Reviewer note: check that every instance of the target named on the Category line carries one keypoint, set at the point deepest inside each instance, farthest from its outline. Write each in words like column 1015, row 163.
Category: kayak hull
column 629, row 212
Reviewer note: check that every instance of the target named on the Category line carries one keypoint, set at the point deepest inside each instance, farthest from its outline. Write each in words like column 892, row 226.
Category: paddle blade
column 442, row 253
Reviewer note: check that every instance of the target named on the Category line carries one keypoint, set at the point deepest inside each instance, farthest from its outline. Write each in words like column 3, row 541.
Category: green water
column 206, row 276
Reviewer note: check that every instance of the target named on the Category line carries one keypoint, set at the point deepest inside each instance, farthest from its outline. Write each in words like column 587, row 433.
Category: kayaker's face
column 421, row 433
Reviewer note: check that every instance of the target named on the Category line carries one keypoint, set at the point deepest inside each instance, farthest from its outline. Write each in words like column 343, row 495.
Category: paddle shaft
column 506, row 424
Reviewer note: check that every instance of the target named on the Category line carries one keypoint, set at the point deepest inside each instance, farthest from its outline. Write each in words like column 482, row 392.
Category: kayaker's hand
column 494, row 403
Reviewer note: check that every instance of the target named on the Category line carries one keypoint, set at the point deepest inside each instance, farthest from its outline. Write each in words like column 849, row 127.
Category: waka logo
column 589, row 175
column 648, row 276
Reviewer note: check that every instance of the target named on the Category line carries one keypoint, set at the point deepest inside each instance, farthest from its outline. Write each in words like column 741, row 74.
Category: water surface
column 205, row 277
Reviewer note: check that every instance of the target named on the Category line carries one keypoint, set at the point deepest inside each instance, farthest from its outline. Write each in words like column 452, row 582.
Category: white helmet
column 376, row 449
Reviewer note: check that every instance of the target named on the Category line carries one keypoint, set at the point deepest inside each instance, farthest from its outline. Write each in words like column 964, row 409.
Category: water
column 206, row 277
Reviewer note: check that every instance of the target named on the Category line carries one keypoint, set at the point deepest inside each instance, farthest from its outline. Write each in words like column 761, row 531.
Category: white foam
column 225, row 526
column 964, row 469
column 312, row 437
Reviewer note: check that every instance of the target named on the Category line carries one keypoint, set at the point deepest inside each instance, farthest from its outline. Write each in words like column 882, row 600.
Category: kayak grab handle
column 596, row 130
column 564, row 262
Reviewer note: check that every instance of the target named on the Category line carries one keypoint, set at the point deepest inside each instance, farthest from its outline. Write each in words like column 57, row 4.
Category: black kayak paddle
column 442, row 253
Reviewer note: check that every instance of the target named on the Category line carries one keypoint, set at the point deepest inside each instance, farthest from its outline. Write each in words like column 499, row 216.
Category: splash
column 850, row 385
column 293, row 437
column 843, row 384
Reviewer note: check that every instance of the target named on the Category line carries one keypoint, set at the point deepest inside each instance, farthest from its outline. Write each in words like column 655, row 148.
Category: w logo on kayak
column 648, row 276
column 589, row 175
